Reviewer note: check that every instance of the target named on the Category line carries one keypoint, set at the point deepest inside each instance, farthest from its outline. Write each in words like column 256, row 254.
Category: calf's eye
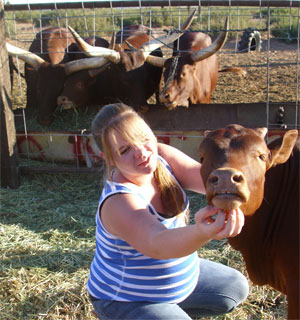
column 263, row 157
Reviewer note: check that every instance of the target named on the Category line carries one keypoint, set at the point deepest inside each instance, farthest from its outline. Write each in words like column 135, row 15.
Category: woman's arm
column 185, row 168
column 126, row 216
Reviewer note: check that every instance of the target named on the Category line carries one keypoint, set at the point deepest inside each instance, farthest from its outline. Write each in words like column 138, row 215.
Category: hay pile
column 47, row 243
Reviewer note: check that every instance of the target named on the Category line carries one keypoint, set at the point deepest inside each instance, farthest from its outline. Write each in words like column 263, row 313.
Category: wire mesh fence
column 262, row 44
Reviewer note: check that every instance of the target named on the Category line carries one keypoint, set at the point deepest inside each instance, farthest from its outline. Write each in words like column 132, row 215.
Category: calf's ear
column 280, row 153
column 206, row 132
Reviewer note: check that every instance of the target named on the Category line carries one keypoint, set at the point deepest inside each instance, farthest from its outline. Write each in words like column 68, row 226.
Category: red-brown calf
column 240, row 170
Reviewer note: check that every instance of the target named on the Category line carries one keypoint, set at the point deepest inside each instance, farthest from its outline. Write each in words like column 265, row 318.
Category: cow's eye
column 201, row 159
column 263, row 157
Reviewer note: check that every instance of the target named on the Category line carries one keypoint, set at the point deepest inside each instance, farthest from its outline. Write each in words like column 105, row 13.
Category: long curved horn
column 214, row 47
column 114, row 56
column 156, row 61
column 34, row 60
column 83, row 64
column 112, row 43
column 166, row 39
column 93, row 51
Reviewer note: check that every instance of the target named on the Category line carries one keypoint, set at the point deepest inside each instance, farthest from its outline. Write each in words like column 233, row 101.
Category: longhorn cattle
column 48, row 63
column 51, row 76
column 135, row 86
column 131, row 78
column 240, row 170
column 190, row 76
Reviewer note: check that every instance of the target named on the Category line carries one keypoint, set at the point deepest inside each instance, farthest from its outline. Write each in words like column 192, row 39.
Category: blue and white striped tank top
column 119, row 272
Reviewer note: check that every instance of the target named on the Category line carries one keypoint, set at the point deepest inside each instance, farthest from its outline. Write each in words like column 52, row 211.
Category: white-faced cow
column 47, row 64
column 240, row 170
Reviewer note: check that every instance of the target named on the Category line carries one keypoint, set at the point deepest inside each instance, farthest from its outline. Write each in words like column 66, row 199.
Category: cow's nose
column 61, row 100
column 166, row 96
column 225, row 176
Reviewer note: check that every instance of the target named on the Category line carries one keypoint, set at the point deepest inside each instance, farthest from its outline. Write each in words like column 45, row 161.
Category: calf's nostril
column 237, row 178
column 214, row 179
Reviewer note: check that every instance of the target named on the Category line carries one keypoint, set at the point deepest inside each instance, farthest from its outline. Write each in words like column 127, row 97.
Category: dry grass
column 47, row 243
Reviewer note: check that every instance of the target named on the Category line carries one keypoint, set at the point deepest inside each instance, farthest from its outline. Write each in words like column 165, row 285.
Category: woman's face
column 134, row 160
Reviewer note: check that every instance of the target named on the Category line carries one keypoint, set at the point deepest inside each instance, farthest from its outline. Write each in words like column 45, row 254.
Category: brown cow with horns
column 52, row 57
column 132, row 84
column 189, row 76
column 52, row 75
column 240, row 170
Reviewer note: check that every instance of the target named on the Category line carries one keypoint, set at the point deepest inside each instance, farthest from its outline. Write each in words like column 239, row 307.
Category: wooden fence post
column 9, row 176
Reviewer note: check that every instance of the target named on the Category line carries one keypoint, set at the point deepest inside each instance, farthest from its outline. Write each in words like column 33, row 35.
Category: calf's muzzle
column 227, row 189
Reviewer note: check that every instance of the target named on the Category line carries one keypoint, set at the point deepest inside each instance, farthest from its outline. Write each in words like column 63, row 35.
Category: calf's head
column 234, row 162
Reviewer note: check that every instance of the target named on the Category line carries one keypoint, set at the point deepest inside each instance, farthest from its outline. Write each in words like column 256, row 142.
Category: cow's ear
column 280, row 153
column 206, row 132
column 261, row 132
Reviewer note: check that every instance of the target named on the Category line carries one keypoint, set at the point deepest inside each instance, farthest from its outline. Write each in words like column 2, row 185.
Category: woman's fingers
column 219, row 225
column 233, row 225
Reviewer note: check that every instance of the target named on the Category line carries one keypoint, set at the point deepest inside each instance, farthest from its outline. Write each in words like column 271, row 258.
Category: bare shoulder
column 120, row 209
column 169, row 153
column 185, row 168
column 176, row 158
column 127, row 216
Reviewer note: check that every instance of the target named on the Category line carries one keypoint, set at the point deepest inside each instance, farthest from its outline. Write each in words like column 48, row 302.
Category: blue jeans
column 219, row 290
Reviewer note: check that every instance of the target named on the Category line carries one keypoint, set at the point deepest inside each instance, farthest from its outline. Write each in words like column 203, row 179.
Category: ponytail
column 170, row 192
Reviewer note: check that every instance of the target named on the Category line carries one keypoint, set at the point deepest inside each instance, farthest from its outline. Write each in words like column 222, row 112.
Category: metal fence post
column 9, row 176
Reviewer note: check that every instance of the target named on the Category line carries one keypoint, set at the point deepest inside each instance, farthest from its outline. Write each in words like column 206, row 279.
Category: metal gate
column 263, row 41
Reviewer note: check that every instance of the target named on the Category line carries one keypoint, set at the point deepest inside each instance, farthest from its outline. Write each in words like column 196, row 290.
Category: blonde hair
column 131, row 126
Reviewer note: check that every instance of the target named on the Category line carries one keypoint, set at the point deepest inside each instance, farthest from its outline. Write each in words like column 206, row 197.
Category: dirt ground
column 271, row 74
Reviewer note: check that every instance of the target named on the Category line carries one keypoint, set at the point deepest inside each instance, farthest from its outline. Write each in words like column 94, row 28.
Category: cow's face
column 78, row 90
column 177, row 82
column 49, row 85
column 234, row 162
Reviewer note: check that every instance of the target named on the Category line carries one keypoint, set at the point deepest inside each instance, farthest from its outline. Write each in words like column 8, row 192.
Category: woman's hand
column 222, row 226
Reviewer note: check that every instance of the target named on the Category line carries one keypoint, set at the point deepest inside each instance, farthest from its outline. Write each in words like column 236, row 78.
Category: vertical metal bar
column 208, row 18
column 141, row 13
column 84, row 18
column 200, row 14
column 33, row 29
column 76, row 150
column 94, row 26
column 237, row 33
column 297, row 124
column 41, row 33
column 112, row 16
column 57, row 15
column 260, row 16
column 268, row 68
column 51, row 142
column 171, row 15
column 67, row 24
